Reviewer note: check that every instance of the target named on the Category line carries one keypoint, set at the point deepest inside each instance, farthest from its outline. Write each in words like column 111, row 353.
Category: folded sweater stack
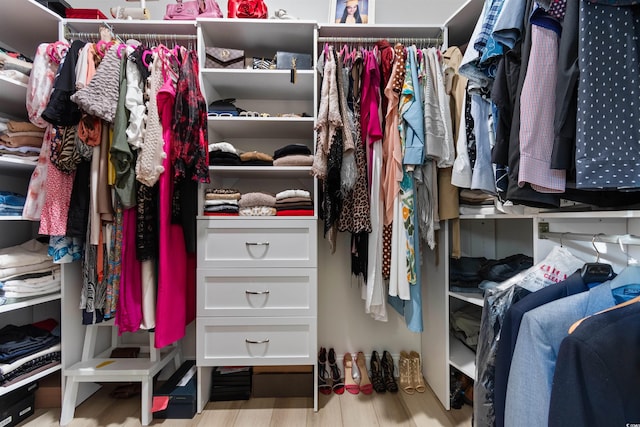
column 294, row 203
column 293, row 155
column 257, row 204
column 20, row 139
column 223, row 154
column 221, row 202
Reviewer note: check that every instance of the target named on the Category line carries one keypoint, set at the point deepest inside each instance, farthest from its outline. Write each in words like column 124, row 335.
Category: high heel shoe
column 387, row 371
column 376, row 373
column 406, row 379
column 349, row 383
column 334, row 372
column 416, row 372
column 323, row 385
column 365, row 382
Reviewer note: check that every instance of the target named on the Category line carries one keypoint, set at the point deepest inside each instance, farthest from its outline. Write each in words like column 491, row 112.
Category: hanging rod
column 432, row 41
column 144, row 36
column 622, row 239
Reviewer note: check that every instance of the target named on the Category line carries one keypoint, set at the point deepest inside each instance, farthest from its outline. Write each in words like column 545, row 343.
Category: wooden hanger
column 615, row 307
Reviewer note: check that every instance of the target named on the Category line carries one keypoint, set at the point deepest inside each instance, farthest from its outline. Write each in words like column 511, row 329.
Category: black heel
column 387, row 371
column 376, row 373
column 336, row 374
column 323, row 386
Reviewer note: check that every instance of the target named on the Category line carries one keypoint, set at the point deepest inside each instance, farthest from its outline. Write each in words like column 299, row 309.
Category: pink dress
column 129, row 308
column 171, row 309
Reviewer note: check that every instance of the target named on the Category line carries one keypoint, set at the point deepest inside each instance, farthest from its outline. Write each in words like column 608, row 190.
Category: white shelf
column 30, row 379
column 229, row 128
column 462, row 358
column 591, row 214
column 13, row 97
column 380, row 31
column 30, row 302
column 497, row 216
column 262, row 172
column 26, row 24
column 14, row 164
column 258, row 84
column 126, row 26
column 254, row 218
column 259, row 37
column 475, row 299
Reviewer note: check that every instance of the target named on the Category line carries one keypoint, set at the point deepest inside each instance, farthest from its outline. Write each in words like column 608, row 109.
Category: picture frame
column 352, row 12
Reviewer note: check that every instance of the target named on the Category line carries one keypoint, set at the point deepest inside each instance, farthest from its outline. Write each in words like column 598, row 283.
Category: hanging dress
column 172, row 260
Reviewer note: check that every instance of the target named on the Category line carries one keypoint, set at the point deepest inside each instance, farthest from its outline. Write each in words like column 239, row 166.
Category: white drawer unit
column 257, row 292
column 251, row 243
column 256, row 341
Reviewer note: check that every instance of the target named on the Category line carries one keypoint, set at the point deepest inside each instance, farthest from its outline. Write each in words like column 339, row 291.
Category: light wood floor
column 401, row 409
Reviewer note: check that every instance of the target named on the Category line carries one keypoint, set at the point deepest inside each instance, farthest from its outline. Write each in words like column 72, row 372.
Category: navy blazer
column 596, row 378
column 509, row 333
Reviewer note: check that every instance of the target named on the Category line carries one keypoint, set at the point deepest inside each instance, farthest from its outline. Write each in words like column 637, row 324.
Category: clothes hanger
column 615, row 307
column 596, row 271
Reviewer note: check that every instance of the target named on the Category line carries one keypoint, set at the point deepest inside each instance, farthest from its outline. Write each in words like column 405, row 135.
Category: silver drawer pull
column 257, row 243
column 257, row 292
column 256, row 342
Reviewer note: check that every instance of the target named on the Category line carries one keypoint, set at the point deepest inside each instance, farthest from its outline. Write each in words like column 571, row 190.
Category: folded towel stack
column 11, row 204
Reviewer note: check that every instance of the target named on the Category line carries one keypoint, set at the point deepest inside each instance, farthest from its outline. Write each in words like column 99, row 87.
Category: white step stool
column 100, row 368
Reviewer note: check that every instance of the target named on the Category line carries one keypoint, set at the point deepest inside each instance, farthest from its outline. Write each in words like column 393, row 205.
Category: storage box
column 49, row 392
column 176, row 398
column 230, row 384
column 283, row 381
column 18, row 412
column 15, row 396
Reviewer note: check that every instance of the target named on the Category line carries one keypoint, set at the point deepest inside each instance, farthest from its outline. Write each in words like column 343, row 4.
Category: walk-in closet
column 343, row 212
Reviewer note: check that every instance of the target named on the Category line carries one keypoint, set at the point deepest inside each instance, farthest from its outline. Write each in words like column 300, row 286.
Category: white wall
column 386, row 11
column 342, row 323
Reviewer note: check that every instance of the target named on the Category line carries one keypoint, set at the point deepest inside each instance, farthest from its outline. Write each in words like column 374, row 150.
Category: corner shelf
column 13, row 96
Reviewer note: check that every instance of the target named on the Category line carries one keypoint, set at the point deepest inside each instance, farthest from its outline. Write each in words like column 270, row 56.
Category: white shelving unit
column 257, row 276
column 15, row 173
column 493, row 237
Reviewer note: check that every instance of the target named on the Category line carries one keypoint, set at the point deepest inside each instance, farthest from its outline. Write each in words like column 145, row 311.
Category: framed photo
column 351, row 12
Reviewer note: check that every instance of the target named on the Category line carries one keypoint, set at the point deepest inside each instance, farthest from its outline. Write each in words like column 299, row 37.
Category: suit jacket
column 599, row 363
column 511, row 325
column 541, row 332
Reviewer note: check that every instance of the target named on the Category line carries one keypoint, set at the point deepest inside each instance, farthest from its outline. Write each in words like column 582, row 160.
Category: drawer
column 239, row 341
column 257, row 292
column 253, row 243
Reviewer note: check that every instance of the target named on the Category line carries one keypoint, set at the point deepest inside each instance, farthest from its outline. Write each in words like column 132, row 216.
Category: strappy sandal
column 376, row 373
column 323, row 376
column 349, row 383
column 336, row 374
column 365, row 382
column 406, row 379
column 387, row 370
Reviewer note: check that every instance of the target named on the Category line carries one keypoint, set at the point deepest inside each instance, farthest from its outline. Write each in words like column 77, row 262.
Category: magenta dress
column 129, row 308
column 171, row 309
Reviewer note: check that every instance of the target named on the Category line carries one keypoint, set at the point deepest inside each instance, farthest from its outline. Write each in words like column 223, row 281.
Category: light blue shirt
column 412, row 113
column 541, row 333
